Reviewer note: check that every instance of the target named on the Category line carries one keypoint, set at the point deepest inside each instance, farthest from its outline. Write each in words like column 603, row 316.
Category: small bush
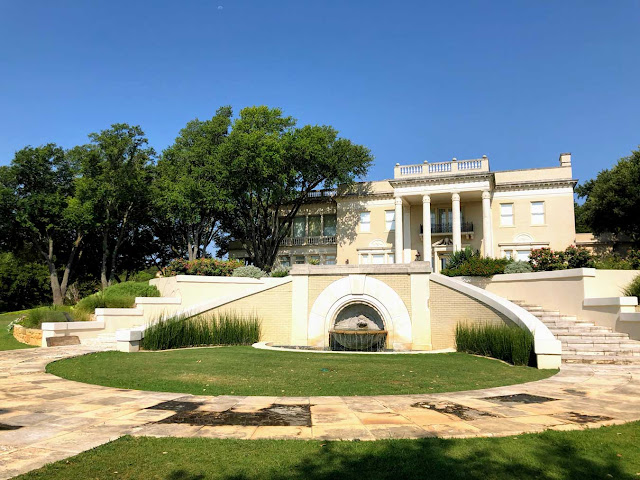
column 518, row 267
column 545, row 259
column 460, row 257
column 119, row 295
column 223, row 329
column 280, row 272
column 37, row 316
column 614, row 261
column 579, row 257
column 202, row 266
column 511, row 344
column 477, row 266
column 633, row 289
column 249, row 271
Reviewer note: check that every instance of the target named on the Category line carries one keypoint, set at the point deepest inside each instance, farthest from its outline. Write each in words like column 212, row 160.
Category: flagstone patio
column 44, row 418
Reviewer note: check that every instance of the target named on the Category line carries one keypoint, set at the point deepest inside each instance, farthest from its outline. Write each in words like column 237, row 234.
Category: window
column 506, row 214
column 315, row 226
column 285, row 261
column 299, row 259
column 537, row 213
column 390, row 219
column 364, row 258
column 299, row 227
column 329, row 225
column 390, row 258
column 508, row 254
column 329, row 259
column 365, row 222
column 522, row 255
column 314, row 259
column 377, row 258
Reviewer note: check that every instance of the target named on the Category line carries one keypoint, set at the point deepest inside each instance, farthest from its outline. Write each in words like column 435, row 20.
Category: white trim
column 609, row 301
column 116, row 312
column 211, row 279
column 477, row 187
column 542, row 192
column 63, row 326
column 553, row 275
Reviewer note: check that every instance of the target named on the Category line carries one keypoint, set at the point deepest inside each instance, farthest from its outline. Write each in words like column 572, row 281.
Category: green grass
column 7, row 342
column 248, row 371
column 603, row 453
column 206, row 329
column 119, row 295
column 53, row 313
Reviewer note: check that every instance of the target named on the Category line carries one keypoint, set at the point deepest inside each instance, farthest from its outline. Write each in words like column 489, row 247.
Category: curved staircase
column 585, row 342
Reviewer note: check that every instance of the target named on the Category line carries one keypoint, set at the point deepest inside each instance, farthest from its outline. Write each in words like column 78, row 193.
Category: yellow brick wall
column 449, row 307
column 272, row 306
column 317, row 283
column 402, row 286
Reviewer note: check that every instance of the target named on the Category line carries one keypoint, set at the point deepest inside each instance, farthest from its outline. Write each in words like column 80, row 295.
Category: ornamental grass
column 511, row 344
column 209, row 329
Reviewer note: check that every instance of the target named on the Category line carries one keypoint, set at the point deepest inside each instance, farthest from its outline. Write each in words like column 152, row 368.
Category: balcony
column 303, row 241
column 454, row 167
column 447, row 228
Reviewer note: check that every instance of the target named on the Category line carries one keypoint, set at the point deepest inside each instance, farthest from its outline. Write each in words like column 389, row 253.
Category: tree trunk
column 105, row 255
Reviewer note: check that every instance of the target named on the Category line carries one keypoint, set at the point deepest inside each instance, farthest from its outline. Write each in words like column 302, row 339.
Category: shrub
column 280, row 272
column 543, row 259
column 477, row 266
column 119, row 295
column 518, row 267
column 202, row 266
column 579, row 257
column 511, row 344
column 249, row 271
column 460, row 257
column 223, row 329
column 633, row 289
column 614, row 261
column 37, row 316
column 22, row 284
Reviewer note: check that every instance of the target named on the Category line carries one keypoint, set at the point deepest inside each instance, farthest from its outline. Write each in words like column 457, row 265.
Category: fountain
column 358, row 327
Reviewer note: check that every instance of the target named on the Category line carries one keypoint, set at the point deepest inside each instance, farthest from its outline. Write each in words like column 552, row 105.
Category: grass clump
column 511, row 344
column 633, row 289
column 213, row 329
column 54, row 313
column 119, row 295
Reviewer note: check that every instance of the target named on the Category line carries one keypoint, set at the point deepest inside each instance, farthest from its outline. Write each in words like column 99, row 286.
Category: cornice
column 441, row 180
column 534, row 184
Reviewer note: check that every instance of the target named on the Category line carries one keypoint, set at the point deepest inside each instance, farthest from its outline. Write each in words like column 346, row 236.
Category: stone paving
column 44, row 418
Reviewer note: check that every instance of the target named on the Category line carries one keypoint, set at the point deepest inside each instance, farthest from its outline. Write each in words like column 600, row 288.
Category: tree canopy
column 612, row 200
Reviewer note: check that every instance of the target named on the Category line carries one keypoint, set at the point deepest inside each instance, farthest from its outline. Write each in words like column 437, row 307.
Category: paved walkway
column 44, row 418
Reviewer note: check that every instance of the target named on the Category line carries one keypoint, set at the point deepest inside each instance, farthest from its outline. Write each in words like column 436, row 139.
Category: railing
column 322, row 193
column 440, row 168
column 465, row 227
column 299, row 241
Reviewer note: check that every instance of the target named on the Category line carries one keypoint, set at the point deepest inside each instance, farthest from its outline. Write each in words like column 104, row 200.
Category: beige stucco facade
column 503, row 213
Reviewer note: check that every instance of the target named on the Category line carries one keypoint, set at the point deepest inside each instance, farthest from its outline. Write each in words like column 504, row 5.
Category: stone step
column 601, row 351
column 591, row 335
column 557, row 318
column 601, row 359
column 579, row 330
column 568, row 323
column 599, row 341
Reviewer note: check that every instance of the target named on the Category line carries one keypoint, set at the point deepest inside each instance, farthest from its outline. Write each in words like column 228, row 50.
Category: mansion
column 429, row 210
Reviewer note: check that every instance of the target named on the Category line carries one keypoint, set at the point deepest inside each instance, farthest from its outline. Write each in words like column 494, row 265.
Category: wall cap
column 210, row 279
column 64, row 326
column 608, row 301
column 630, row 317
column 116, row 312
column 158, row 300
column 395, row 268
column 552, row 275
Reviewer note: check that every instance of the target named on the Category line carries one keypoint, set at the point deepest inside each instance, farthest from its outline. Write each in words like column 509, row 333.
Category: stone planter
column 30, row 336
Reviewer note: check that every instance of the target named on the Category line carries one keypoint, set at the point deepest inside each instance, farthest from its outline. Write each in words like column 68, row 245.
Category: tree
column 613, row 199
column 269, row 169
column 42, row 211
column 116, row 175
column 188, row 197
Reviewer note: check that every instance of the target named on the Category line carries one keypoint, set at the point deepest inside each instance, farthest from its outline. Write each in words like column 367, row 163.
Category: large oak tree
column 269, row 169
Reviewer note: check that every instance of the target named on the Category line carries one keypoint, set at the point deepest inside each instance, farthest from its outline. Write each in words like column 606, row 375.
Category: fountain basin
column 358, row 340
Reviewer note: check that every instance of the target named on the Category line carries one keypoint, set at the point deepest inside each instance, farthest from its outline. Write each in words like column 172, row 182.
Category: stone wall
column 30, row 336
column 450, row 307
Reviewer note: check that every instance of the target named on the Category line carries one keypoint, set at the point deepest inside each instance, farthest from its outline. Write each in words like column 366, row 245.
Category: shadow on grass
column 546, row 456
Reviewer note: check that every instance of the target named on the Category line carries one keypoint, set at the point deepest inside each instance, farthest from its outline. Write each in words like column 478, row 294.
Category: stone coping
column 394, row 268
column 206, row 279
column 158, row 300
column 270, row 346
column 59, row 418
column 610, row 301
column 60, row 326
column 551, row 275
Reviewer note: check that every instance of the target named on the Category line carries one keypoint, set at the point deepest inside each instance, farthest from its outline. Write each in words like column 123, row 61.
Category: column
column 426, row 229
column 399, row 245
column 455, row 211
column 487, row 237
column 406, row 235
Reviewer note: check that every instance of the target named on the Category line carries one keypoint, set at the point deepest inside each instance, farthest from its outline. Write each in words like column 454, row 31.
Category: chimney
column 565, row 159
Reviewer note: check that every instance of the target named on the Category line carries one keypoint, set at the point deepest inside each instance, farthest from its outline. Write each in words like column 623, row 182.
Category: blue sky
column 519, row 81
